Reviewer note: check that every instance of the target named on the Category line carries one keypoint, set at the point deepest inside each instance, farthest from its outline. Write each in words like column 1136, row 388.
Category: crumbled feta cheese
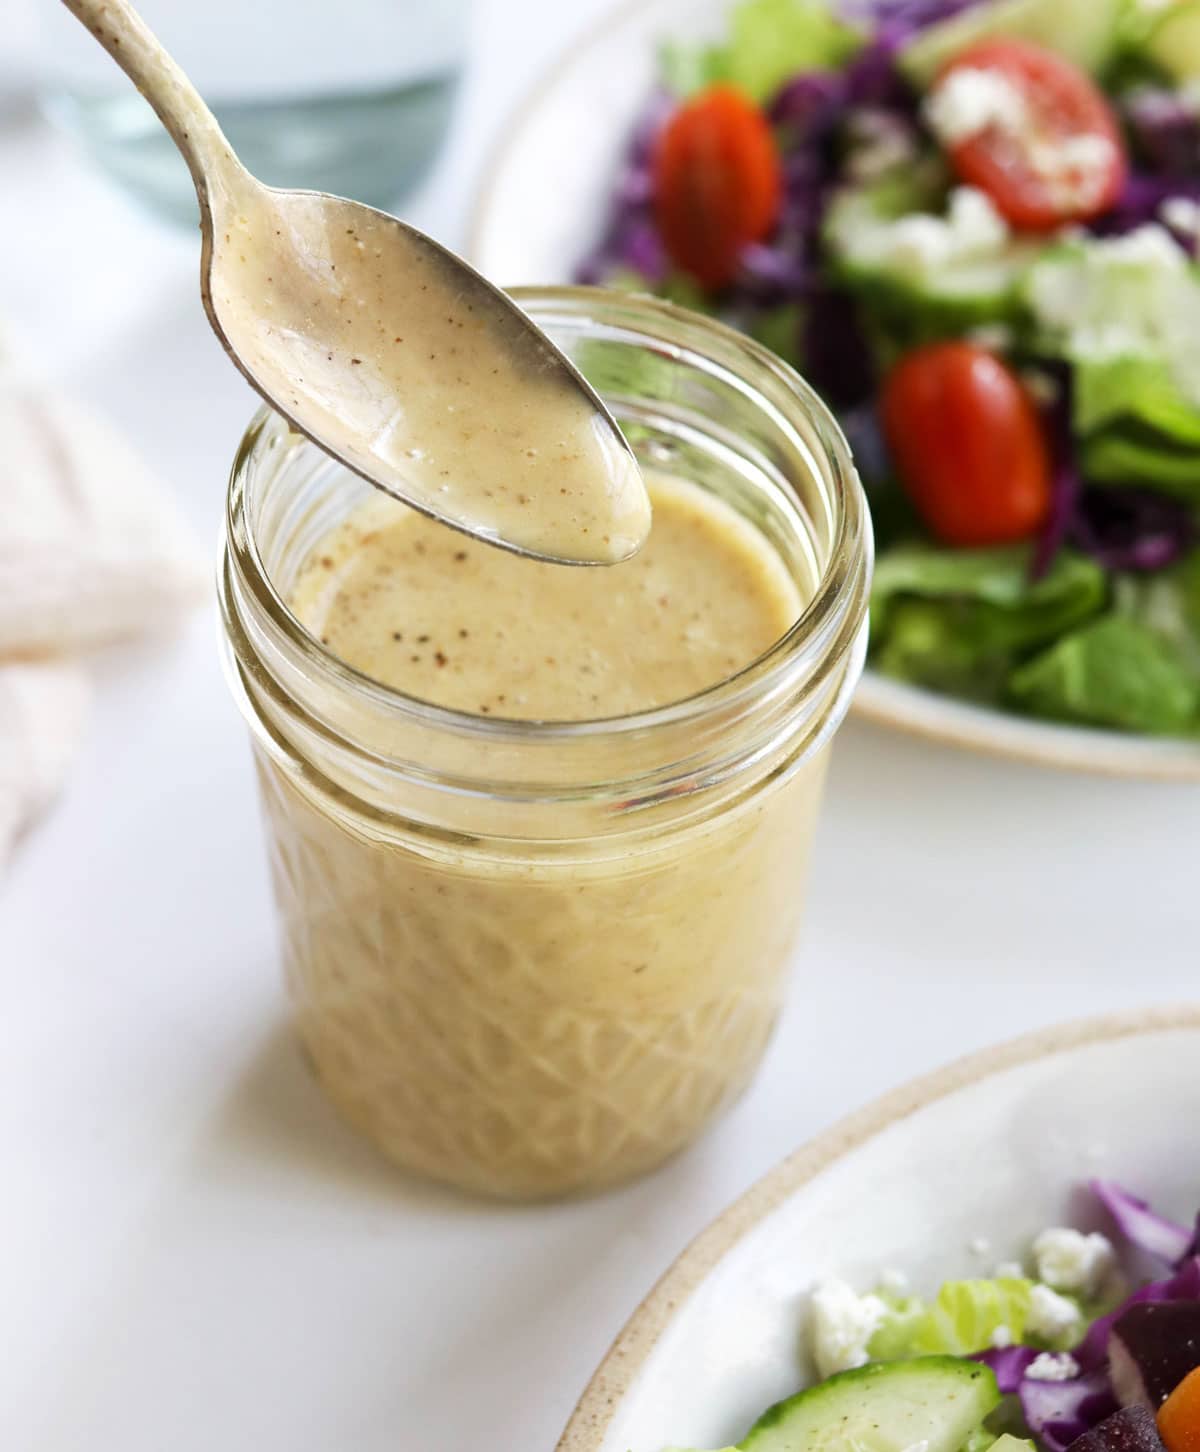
column 878, row 144
column 1068, row 1260
column 972, row 230
column 1002, row 1338
column 1051, row 1316
column 1146, row 246
column 1182, row 215
column 1074, row 170
column 894, row 1282
column 972, row 100
column 1131, row 296
column 1053, row 1366
column 980, row 1245
column 995, row 337
column 1010, row 1270
column 843, row 1323
column 979, row 228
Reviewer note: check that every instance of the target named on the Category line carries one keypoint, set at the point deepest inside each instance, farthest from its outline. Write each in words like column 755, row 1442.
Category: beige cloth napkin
column 91, row 551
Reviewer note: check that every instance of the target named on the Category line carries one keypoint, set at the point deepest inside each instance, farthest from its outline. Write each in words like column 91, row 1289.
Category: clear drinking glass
column 528, row 958
column 344, row 96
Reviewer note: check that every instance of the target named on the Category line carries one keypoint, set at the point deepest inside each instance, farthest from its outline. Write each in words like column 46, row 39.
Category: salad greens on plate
column 974, row 226
column 1092, row 1343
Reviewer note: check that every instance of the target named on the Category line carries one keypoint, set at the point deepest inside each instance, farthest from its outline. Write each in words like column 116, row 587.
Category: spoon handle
column 192, row 126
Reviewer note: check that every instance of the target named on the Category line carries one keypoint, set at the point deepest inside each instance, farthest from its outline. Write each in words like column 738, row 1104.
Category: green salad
column 1090, row 1343
column 973, row 225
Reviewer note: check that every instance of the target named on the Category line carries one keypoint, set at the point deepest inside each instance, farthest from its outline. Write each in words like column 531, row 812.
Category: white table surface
column 194, row 1254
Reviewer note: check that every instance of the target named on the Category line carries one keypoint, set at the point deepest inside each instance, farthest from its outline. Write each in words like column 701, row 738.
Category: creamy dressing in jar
column 449, row 620
column 539, row 834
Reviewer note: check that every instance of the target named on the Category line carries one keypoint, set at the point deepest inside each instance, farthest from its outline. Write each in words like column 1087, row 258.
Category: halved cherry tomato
column 1066, row 163
column 968, row 444
column 1179, row 1416
column 717, row 183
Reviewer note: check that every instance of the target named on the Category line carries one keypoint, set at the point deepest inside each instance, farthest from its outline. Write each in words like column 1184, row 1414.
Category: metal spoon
column 390, row 352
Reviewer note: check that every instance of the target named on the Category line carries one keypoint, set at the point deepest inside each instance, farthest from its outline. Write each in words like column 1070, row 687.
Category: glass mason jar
column 528, row 958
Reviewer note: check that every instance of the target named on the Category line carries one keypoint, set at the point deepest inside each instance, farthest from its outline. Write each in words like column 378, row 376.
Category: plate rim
column 628, row 1353
column 970, row 727
column 890, row 703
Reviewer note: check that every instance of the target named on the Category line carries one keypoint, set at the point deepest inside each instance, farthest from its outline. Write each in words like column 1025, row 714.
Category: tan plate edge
column 615, row 1374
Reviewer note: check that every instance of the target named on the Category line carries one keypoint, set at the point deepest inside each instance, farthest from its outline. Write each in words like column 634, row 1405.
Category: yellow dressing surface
column 444, row 618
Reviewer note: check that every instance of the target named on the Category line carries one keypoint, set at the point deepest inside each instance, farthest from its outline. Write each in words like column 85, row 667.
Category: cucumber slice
column 1174, row 43
column 934, row 1403
column 964, row 295
column 1009, row 1443
column 1085, row 31
column 958, row 285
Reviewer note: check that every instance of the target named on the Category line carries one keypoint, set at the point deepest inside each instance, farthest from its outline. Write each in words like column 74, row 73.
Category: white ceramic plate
column 991, row 1148
column 539, row 212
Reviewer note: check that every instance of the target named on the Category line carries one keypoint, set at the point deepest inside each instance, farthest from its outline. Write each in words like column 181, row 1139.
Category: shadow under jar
column 525, row 957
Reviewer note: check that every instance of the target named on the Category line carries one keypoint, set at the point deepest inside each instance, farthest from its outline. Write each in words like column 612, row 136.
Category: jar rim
column 834, row 612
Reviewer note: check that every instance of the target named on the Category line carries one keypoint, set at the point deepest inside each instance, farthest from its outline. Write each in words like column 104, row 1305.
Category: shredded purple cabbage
column 785, row 267
column 1142, row 201
column 873, row 79
column 1010, row 1363
column 1143, row 1226
column 808, row 106
column 631, row 239
column 1184, row 1285
column 905, row 17
column 1165, row 128
column 1141, row 531
column 838, row 360
column 1058, row 1412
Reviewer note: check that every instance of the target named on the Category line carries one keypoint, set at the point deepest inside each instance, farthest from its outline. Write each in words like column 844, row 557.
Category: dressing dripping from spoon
column 390, row 352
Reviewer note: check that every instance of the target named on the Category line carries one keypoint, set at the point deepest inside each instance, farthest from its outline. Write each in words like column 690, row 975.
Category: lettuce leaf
column 1116, row 672
column 959, row 620
column 1137, row 426
column 769, row 42
column 1169, row 604
column 964, row 1318
column 1109, row 391
column 1120, row 457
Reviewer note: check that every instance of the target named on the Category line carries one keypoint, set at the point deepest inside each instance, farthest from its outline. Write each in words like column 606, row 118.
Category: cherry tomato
column 717, row 183
column 968, row 445
column 1065, row 163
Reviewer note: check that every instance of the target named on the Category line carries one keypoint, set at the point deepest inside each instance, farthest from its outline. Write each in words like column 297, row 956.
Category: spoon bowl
column 390, row 352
